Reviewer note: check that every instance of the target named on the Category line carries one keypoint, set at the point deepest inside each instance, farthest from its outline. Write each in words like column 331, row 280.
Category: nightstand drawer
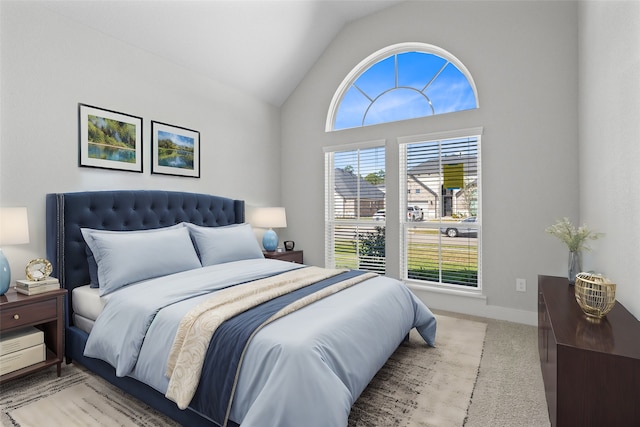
column 291, row 256
column 28, row 314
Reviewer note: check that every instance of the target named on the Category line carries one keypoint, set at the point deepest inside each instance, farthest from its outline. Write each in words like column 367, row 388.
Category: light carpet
column 419, row 386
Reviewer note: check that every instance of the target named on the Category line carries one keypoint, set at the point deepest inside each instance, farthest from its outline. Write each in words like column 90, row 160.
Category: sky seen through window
column 404, row 86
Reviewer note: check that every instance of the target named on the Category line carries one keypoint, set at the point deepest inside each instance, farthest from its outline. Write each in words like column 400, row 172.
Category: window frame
column 403, row 142
column 329, row 181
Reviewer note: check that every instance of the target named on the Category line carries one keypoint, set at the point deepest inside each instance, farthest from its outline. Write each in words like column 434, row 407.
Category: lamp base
column 5, row 274
column 270, row 240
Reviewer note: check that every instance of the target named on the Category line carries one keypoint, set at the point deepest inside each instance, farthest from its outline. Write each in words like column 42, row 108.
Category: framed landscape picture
column 175, row 150
column 109, row 139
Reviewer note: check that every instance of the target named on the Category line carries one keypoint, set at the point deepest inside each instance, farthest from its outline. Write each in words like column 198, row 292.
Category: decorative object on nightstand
column 21, row 348
column 576, row 241
column 38, row 269
column 14, row 230
column 33, row 287
column 269, row 218
column 289, row 245
column 596, row 295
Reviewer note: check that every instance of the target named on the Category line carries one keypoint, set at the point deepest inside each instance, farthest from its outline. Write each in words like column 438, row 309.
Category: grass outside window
column 431, row 257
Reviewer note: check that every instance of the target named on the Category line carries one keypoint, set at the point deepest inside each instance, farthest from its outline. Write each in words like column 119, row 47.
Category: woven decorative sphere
column 596, row 295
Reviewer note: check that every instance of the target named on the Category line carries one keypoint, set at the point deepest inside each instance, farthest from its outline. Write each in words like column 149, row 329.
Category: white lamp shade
column 14, row 226
column 269, row 218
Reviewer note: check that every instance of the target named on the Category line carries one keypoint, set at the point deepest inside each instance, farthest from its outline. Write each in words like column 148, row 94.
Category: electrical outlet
column 521, row 285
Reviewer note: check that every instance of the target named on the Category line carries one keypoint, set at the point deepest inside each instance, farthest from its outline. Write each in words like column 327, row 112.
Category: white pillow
column 225, row 244
column 127, row 257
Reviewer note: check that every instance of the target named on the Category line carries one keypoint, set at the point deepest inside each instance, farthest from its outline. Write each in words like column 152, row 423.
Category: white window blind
column 442, row 180
column 355, row 208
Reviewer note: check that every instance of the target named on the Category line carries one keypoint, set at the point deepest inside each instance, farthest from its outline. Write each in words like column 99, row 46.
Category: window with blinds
column 441, row 179
column 355, row 208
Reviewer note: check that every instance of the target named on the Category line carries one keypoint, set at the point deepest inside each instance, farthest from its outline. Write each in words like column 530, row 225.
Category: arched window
column 439, row 194
column 403, row 81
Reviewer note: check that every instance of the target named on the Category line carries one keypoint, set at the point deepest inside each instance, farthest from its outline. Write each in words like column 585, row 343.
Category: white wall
column 523, row 57
column 610, row 140
column 49, row 64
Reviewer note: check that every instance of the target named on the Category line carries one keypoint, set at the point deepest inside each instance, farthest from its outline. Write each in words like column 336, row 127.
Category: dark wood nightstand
column 291, row 256
column 44, row 311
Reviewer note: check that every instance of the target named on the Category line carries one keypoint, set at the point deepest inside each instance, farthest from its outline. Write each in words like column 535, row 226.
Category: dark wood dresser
column 591, row 369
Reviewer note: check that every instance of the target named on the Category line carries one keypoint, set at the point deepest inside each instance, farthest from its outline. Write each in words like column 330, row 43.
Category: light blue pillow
column 127, row 257
column 93, row 266
column 217, row 245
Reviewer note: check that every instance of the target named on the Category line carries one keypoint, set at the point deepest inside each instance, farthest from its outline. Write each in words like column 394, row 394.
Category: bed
column 300, row 366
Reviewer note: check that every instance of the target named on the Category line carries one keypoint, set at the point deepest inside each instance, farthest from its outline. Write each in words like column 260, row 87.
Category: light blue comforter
column 307, row 368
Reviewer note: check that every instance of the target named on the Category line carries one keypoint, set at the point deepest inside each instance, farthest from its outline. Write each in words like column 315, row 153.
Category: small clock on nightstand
column 291, row 256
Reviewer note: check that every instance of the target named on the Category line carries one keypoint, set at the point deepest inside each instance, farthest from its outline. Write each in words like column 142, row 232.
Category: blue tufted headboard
column 122, row 210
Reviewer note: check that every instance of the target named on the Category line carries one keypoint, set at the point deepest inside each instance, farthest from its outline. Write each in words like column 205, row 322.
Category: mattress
column 83, row 323
column 87, row 305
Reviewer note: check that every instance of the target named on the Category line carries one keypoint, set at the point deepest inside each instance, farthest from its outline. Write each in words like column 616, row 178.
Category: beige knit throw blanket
column 194, row 333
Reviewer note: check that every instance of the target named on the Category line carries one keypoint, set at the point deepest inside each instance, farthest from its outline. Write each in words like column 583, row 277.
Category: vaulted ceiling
column 261, row 47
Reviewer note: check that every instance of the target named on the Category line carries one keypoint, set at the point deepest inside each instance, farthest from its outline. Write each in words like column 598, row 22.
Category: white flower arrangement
column 575, row 239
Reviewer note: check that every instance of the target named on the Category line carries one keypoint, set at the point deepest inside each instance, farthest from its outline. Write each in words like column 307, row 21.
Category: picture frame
column 109, row 139
column 175, row 150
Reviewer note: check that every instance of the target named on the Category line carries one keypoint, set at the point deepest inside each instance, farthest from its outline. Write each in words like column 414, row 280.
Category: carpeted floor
column 415, row 388
column 419, row 386
column 509, row 391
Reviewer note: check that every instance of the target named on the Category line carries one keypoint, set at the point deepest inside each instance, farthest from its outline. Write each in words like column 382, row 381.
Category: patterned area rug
column 419, row 386
column 77, row 398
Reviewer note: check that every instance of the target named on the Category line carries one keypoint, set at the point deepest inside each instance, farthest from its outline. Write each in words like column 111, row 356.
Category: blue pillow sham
column 125, row 257
column 217, row 245
column 93, row 266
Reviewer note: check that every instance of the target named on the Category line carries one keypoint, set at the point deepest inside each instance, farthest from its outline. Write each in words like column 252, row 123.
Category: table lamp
column 270, row 218
column 14, row 230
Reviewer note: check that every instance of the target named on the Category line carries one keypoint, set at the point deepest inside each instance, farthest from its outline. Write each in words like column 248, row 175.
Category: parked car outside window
column 459, row 228
column 414, row 213
column 379, row 215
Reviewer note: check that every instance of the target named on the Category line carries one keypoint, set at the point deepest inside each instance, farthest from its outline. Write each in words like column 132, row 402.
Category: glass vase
column 575, row 266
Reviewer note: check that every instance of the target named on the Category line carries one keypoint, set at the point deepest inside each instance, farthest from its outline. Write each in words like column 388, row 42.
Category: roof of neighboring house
column 423, row 185
column 347, row 186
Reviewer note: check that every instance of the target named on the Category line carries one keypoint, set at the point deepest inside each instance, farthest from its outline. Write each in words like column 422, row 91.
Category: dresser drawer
column 29, row 313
